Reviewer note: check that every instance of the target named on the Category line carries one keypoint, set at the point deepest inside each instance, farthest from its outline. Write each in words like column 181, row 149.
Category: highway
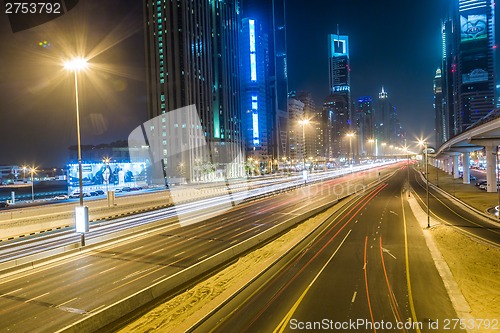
column 367, row 270
column 451, row 213
column 56, row 295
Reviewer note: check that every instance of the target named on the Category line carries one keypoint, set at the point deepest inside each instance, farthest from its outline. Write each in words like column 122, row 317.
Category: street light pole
column 81, row 212
column 32, row 170
column 304, row 122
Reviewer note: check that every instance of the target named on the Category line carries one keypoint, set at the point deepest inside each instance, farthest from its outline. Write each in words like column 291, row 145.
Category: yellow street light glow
column 76, row 64
column 304, row 121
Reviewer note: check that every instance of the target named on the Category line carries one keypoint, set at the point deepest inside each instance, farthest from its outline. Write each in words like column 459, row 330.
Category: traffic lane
column 264, row 311
column 454, row 214
column 358, row 286
column 94, row 300
column 431, row 299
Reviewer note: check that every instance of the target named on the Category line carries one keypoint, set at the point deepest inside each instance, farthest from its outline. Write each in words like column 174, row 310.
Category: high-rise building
column 314, row 130
column 340, row 88
column 468, row 68
column 337, row 126
column 441, row 120
column 365, row 125
column 476, row 61
column 271, row 14
column 192, row 59
column 254, row 85
column 296, row 130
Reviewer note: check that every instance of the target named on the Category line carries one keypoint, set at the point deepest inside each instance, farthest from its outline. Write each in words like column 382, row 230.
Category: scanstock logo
column 177, row 155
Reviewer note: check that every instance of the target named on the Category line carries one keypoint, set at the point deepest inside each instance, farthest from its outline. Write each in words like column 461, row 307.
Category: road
column 369, row 266
column 59, row 294
column 449, row 212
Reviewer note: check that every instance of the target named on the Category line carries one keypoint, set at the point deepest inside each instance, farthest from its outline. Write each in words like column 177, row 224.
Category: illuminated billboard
column 473, row 27
column 101, row 174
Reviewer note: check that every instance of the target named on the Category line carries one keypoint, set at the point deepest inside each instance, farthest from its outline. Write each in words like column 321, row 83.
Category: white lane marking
column 71, row 300
column 203, row 257
column 394, row 213
column 178, row 254
column 10, row 292
column 354, row 297
column 157, row 251
column 161, row 277
column 32, row 299
column 109, row 269
column 389, row 253
column 84, row 267
column 137, row 248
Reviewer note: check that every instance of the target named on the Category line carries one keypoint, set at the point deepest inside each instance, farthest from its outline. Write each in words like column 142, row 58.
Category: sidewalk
column 468, row 193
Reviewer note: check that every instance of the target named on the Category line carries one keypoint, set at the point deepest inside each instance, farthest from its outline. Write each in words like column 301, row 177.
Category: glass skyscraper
column 192, row 59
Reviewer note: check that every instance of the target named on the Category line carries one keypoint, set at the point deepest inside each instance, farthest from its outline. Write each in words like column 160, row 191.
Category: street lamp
column 424, row 144
column 350, row 135
column 371, row 141
column 105, row 175
column 304, row 122
column 32, row 171
column 81, row 213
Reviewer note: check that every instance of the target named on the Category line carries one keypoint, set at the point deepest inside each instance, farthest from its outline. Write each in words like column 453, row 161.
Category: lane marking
column 282, row 325
column 83, row 267
column 407, row 263
column 32, row 299
column 366, row 287
column 354, row 297
column 388, row 252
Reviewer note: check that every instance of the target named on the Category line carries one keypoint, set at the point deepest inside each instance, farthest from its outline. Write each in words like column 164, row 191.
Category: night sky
column 395, row 44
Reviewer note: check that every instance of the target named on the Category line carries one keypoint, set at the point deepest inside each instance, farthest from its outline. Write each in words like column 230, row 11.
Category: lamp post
column 304, row 122
column 106, row 175
column 424, row 144
column 350, row 135
column 32, row 171
column 371, row 141
column 75, row 65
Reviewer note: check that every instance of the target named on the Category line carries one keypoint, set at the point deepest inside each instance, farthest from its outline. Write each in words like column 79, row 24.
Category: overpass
column 485, row 134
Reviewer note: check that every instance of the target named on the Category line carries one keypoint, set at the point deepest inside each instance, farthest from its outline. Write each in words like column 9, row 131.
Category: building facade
column 254, row 84
column 468, row 65
column 192, row 59
column 271, row 14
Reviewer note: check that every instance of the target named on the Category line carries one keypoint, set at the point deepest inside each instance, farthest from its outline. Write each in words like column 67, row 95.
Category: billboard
column 473, row 27
column 100, row 174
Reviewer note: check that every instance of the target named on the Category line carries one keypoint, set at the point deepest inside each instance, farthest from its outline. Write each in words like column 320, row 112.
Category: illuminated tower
column 271, row 15
column 340, row 89
column 254, row 83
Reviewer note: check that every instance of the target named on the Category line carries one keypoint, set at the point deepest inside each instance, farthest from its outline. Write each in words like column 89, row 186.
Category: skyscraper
column 365, row 125
column 254, row 84
column 271, row 14
column 340, row 89
column 476, row 60
column 192, row 59
column 468, row 69
column 441, row 119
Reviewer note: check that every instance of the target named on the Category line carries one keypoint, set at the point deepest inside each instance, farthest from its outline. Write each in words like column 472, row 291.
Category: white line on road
column 389, row 253
column 10, row 292
column 71, row 300
column 109, row 269
column 32, row 299
column 157, row 251
column 84, row 267
column 354, row 297
column 178, row 254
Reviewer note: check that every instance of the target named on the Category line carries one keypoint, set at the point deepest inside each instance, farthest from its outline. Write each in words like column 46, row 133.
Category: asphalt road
column 54, row 296
column 366, row 271
column 449, row 212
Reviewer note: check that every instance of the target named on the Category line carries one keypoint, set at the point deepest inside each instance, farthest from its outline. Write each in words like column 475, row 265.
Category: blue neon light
column 253, row 59
column 255, row 120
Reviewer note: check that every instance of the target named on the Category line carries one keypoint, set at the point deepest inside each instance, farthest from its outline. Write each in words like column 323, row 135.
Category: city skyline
column 37, row 98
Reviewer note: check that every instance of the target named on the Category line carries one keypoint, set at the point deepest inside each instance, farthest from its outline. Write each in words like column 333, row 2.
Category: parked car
column 61, row 197
column 94, row 194
column 481, row 182
column 126, row 189
column 4, row 205
column 99, row 192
